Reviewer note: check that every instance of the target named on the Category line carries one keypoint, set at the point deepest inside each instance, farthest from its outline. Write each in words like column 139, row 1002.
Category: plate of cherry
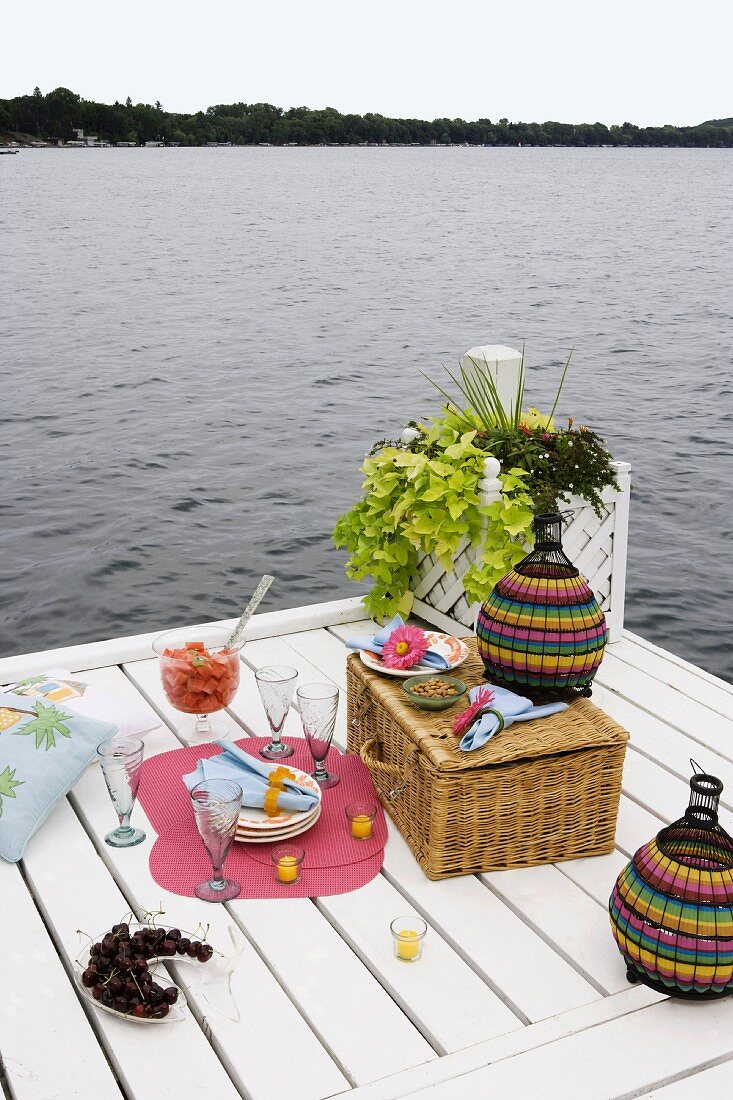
column 120, row 971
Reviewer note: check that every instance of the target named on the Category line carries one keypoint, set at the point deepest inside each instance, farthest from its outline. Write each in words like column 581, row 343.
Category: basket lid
column 581, row 726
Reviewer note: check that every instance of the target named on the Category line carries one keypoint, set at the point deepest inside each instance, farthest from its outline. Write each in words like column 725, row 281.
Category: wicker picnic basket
column 539, row 792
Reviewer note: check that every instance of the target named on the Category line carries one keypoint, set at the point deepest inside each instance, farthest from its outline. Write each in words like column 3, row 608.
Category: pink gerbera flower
column 464, row 721
column 405, row 647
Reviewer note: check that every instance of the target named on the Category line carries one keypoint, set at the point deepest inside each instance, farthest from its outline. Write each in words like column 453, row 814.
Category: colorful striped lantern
column 542, row 631
column 672, row 906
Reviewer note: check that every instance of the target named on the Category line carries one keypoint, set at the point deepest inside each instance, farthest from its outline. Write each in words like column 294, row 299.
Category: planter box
column 596, row 546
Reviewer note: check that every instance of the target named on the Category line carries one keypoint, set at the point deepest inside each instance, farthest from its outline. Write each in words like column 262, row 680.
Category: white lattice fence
column 596, row 546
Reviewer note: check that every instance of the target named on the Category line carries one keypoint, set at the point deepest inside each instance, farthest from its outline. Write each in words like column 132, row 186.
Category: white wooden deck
column 520, row 992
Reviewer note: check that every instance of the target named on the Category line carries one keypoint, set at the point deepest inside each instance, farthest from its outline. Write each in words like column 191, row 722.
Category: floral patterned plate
column 453, row 649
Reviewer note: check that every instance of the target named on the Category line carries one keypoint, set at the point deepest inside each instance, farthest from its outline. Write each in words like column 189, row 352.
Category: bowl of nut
column 433, row 692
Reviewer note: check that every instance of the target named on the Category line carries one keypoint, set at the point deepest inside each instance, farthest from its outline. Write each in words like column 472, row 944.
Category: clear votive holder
column 288, row 860
column 408, row 934
column 361, row 817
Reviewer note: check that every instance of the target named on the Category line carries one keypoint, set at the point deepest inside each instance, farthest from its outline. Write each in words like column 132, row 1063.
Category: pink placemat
column 334, row 862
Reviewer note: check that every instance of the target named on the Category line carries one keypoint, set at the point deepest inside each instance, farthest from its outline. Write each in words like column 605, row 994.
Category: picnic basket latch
column 390, row 771
column 363, row 703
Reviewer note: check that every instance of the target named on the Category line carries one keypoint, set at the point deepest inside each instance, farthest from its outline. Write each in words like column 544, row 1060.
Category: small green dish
column 425, row 701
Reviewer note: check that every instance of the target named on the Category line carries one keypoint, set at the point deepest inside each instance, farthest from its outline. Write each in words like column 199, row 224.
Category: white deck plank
column 670, row 658
column 665, row 746
column 716, row 696
column 699, row 722
column 422, row 991
column 716, row 1083
column 277, row 651
column 309, row 985
column 615, row 1060
column 572, row 922
column 347, row 1008
column 138, row 647
column 259, row 998
column 74, row 890
column 39, row 1003
column 656, row 789
column 635, row 824
column 596, row 875
column 536, row 1035
column 531, row 977
column 324, row 651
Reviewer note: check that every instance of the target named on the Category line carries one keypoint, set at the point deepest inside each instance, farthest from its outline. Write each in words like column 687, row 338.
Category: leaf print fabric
column 43, row 751
column 8, row 782
column 48, row 722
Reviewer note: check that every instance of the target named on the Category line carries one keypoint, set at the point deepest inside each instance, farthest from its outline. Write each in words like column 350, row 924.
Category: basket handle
column 390, row 771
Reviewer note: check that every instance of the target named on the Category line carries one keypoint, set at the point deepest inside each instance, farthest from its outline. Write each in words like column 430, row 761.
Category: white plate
column 254, row 817
column 453, row 649
column 245, row 837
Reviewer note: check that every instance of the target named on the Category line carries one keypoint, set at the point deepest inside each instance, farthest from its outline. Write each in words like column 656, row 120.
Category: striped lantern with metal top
column 542, row 632
column 672, row 906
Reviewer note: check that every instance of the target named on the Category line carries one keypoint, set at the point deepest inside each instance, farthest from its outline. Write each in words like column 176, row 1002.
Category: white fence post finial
column 489, row 485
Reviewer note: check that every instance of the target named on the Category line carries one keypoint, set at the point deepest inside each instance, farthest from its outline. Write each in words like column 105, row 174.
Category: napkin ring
column 278, row 776
column 498, row 714
column 270, row 805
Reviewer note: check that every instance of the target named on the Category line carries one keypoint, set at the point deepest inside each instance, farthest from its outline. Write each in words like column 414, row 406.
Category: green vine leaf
column 424, row 497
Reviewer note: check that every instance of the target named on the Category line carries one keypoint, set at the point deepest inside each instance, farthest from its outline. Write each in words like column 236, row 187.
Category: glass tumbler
column 121, row 760
column 216, row 806
column 318, row 707
column 276, row 684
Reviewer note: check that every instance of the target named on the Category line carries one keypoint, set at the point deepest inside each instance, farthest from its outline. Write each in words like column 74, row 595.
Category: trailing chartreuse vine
column 426, row 498
column 423, row 497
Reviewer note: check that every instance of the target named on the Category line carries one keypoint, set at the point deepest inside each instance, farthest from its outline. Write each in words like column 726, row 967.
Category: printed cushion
column 42, row 754
column 58, row 685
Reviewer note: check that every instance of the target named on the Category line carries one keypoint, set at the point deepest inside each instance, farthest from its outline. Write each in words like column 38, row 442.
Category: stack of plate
column 255, row 827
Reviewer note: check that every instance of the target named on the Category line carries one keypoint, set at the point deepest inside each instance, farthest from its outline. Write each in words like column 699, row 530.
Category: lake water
column 199, row 345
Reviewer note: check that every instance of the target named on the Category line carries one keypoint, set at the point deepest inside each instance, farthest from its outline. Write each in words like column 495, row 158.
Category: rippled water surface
column 198, row 346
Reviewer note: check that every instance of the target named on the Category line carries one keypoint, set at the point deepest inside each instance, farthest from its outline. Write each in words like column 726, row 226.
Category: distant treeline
column 55, row 116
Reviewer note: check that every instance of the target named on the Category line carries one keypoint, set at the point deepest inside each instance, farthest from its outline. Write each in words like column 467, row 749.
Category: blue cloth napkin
column 432, row 659
column 252, row 775
column 511, row 707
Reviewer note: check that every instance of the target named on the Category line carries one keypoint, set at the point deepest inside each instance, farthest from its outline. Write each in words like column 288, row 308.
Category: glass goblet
column 121, row 760
column 276, row 684
column 200, row 675
column 318, row 706
column 216, row 806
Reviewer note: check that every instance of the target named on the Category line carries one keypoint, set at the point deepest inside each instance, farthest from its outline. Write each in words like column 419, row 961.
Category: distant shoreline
column 64, row 116
column 35, row 146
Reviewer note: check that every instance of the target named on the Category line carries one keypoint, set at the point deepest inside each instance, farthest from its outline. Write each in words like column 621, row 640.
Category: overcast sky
column 644, row 61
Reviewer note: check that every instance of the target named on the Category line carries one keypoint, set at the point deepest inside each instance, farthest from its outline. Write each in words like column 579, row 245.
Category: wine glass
column 318, row 706
column 200, row 675
column 121, row 760
column 216, row 806
column 276, row 684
